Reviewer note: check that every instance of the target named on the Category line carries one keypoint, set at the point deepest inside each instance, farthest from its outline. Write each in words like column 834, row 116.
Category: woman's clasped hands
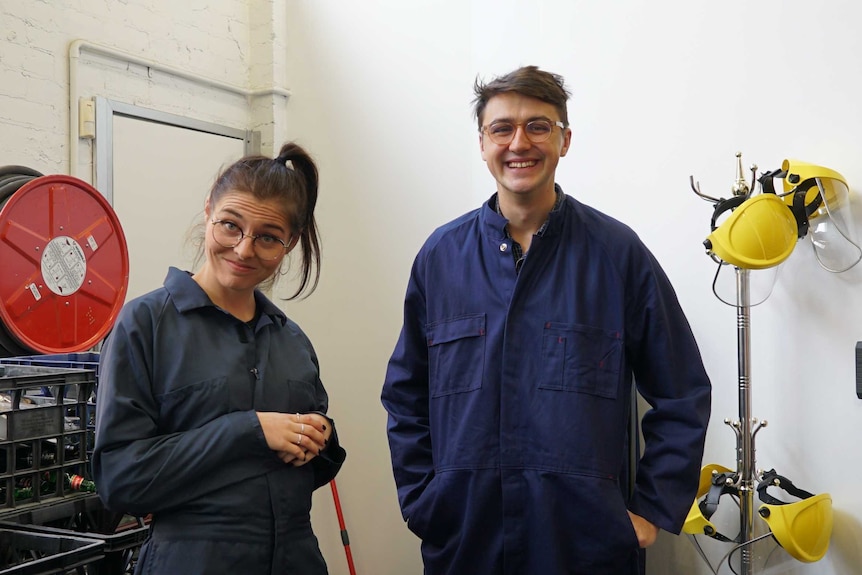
column 296, row 437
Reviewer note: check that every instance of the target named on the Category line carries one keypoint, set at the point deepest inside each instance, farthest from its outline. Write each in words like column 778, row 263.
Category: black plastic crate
column 122, row 534
column 35, row 552
column 73, row 360
column 86, row 517
column 78, row 360
column 130, row 534
column 121, row 544
column 46, row 433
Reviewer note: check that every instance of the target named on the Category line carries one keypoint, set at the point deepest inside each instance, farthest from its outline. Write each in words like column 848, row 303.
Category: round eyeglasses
column 229, row 235
column 537, row 131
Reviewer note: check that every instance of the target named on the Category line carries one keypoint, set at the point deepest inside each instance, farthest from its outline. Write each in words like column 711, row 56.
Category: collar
column 187, row 295
column 494, row 204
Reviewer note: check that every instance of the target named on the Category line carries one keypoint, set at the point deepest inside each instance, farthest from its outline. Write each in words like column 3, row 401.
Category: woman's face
column 242, row 267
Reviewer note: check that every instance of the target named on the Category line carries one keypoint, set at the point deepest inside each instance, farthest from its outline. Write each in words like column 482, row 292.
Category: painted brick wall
column 204, row 37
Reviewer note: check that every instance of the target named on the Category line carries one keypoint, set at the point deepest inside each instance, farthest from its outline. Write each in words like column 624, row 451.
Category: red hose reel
column 64, row 266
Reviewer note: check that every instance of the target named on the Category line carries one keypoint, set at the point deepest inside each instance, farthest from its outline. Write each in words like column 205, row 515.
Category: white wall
column 381, row 95
column 661, row 91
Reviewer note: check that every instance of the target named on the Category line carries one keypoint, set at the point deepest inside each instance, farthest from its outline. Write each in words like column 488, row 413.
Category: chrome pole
column 744, row 438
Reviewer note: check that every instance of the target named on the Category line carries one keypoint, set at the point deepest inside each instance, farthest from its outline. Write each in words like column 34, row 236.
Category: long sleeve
column 327, row 465
column 137, row 467
column 181, row 383
column 670, row 376
column 405, row 397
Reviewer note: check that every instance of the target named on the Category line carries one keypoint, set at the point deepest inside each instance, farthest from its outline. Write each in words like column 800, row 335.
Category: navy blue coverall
column 509, row 397
column 177, row 434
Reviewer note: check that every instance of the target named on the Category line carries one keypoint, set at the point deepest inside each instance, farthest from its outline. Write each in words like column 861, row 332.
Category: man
column 510, row 388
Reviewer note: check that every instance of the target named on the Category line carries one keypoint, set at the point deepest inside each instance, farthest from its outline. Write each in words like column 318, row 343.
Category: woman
column 210, row 411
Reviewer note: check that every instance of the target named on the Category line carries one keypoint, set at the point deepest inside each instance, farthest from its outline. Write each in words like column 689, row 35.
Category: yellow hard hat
column 760, row 233
column 713, row 484
column 802, row 528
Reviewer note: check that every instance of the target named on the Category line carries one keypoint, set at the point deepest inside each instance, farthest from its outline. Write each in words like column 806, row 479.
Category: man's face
column 522, row 167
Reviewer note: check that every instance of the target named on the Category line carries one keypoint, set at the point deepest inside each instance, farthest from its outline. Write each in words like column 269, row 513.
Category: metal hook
column 696, row 188
column 759, row 426
column 753, row 169
column 735, row 426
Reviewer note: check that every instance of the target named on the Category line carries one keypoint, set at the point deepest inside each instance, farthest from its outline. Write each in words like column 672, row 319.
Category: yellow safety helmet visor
column 760, row 233
column 833, row 186
column 802, row 528
column 697, row 522
column 821, row 197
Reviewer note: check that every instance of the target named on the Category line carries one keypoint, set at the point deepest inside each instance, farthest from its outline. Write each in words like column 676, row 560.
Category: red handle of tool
column 344, row 538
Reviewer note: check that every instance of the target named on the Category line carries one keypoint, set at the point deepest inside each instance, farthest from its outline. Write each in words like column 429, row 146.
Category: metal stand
column 743, row 426
column 732, row 245
column 746, row 427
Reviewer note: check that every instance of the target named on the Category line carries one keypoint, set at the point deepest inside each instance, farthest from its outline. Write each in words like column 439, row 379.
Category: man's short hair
column 527, row 81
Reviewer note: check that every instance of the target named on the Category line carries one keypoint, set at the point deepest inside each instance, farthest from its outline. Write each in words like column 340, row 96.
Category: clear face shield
column 759, row 234
column 755, row 234
column 725, row 285
column 823, row 196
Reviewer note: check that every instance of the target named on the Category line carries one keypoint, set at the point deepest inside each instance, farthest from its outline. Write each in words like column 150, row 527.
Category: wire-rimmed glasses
column 229, row 235
column 537, row 131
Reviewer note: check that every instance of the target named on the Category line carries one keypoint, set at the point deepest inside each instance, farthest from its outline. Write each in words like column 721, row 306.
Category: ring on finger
column 299, row 439
column 301, row 428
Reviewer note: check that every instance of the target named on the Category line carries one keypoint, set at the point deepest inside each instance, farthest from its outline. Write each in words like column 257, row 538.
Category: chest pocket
column 289, row 396
column 193, row 405
column 456, row 354
column 581, row 358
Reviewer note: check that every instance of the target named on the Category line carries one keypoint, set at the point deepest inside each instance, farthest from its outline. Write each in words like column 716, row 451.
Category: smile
column 239, row 266
column 529, row 164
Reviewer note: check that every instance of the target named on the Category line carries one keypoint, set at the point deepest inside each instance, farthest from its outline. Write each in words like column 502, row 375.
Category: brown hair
column 528, row 81
column 291, row 179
